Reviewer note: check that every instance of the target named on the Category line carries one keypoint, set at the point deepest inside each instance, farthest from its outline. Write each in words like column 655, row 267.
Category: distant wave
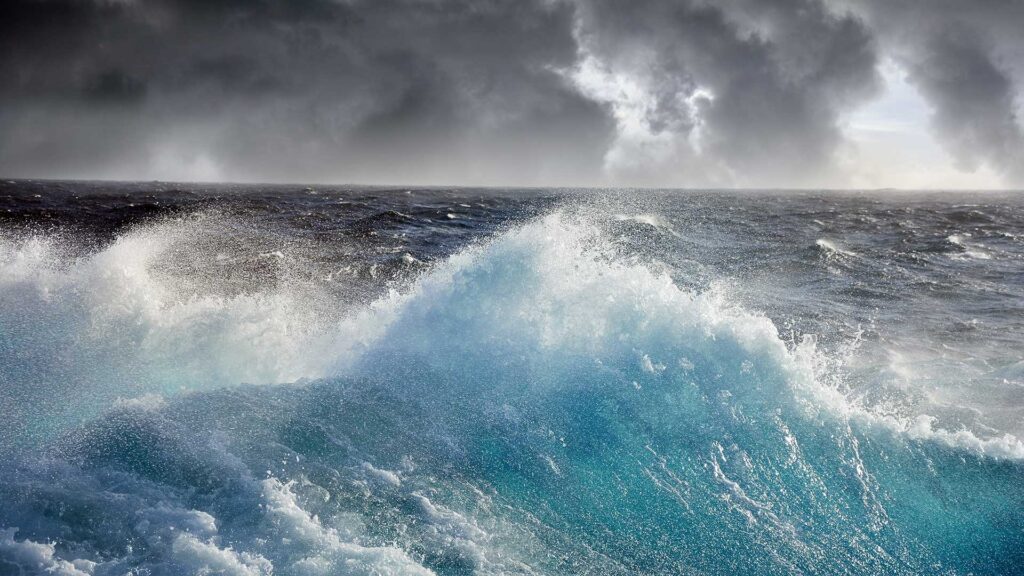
column 830, row 247
column 967, row 247
column 652, row 220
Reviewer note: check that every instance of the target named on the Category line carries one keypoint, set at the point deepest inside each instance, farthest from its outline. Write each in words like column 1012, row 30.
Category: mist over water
column 248, row 380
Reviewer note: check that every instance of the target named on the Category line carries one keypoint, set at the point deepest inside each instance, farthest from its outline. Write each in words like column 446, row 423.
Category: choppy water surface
column 256, row 380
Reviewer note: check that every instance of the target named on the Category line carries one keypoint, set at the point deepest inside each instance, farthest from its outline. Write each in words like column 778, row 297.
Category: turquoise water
column 536, row 401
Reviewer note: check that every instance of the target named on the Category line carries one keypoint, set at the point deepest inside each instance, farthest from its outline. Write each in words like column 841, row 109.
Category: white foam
column 198, row 557
column 652, row 220
column 831, row 247
column 34, row 558
column 550, row 288
column 386, row 476
column 315, row 549
column 814, row 376
column 970, row 249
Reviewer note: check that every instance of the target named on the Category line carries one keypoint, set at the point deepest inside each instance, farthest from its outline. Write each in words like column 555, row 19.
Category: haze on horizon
column 664, row 93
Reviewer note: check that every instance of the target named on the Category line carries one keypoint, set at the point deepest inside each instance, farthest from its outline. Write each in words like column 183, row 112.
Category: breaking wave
column 534, row 404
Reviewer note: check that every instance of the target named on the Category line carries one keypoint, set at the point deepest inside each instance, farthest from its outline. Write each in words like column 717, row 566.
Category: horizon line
column 432, row 186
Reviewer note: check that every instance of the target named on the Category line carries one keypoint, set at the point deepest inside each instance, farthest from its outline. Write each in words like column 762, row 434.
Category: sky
column 920, row 94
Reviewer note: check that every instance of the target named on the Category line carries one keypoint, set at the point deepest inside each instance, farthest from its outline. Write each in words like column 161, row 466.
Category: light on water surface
column 352, row 382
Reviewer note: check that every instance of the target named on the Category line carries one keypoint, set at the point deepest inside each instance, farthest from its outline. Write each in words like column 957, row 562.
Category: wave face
column 538, row 402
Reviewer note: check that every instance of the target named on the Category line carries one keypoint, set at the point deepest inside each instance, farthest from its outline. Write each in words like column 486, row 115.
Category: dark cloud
column 967, row 60
column 974, row 102
column 381, row 90
column 115, row 87
column 735, row 92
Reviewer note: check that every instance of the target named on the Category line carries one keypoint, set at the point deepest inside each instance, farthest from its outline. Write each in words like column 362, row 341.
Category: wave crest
column 534, row 404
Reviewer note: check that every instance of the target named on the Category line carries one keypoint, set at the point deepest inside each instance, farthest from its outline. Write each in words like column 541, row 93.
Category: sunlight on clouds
column 642, row 145
column 631, row 104
column 892, row 144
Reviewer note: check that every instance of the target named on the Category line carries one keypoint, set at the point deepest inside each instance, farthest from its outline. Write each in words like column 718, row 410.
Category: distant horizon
column 17, row 179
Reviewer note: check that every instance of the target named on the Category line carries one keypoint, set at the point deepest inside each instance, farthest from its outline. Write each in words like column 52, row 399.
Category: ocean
column 255, row 380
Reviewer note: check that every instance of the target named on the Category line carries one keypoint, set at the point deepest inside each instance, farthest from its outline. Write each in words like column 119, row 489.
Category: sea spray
column 533, row 404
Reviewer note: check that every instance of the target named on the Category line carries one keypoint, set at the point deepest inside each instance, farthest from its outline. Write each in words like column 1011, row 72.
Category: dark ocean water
column 269, row 379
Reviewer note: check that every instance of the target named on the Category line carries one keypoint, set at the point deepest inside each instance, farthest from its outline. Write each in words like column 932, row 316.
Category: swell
column 532, row 405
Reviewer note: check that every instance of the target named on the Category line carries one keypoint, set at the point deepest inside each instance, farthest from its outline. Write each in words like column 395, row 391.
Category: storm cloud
column 520, row 92
column 967, row 60
column 755, row 88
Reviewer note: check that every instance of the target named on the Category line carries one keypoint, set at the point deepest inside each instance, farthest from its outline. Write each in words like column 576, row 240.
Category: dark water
column 254, row 380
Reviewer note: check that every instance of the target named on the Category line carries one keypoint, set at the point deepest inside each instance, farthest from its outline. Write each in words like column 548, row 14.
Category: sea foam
column 533, row 404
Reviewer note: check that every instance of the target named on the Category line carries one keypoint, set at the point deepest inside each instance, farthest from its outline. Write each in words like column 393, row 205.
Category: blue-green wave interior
column 535, row 404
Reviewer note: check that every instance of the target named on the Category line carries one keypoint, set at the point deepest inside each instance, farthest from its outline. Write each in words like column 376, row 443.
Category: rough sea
column 293, row 380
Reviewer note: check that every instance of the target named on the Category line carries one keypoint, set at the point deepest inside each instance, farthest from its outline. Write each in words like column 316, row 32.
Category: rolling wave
column 533, row 404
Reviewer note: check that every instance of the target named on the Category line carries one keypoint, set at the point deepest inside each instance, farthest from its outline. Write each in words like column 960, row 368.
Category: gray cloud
column 653, row 92
column 777, row 73
column 967, row 60
column 381, row 90
column 974, row 103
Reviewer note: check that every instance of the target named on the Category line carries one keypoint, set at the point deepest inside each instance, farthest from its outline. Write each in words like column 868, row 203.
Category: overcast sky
column 667, row 93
